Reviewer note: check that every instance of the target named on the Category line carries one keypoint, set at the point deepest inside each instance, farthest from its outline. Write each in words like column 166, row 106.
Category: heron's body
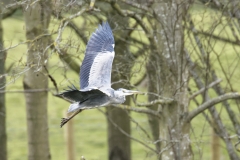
column 95, row 76
column 92, row 99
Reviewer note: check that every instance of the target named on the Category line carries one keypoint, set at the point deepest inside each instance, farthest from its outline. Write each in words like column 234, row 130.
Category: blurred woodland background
column 185, row 54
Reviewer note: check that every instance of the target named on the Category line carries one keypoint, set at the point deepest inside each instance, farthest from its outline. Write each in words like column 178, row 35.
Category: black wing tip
column 105, row 30
column 102, row 35
column 70, row 88
column 106, row 25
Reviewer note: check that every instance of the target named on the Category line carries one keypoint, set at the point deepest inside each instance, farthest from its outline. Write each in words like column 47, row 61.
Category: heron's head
column 119, row 94
column 128, row 92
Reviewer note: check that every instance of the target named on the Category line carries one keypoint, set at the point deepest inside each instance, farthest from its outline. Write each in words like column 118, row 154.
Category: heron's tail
column 73, row 107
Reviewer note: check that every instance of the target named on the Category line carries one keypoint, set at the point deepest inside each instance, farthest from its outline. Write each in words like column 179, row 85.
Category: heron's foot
column 64, row 121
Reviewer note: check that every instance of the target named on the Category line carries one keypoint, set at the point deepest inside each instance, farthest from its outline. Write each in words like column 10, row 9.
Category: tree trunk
column 119, row 145
column 170, row 74
column 3, row 135
column 215, row 146
column 152, row 71
column 69, row 138
column 37, row 17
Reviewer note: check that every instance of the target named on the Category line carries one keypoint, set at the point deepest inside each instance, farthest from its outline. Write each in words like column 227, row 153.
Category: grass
column 90, row 128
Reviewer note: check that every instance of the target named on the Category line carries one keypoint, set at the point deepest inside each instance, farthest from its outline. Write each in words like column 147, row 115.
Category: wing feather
column 74, row 95
column 96, row 68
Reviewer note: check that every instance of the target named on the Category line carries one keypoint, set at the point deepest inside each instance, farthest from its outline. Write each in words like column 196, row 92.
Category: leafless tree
column 3, row 136
column 184, row 53
column 37, row 17
column 119, row 145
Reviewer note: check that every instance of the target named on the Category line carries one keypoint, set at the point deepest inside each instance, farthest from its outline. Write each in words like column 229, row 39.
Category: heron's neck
column 118, row 97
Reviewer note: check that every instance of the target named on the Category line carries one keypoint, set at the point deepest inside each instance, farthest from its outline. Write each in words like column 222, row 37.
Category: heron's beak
column 130, row 92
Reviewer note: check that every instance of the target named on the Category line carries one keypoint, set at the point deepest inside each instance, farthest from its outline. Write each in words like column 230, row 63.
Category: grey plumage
column 98, row 57
column 95, row 76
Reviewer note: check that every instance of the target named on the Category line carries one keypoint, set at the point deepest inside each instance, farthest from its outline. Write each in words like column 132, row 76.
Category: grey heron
column 95, row 76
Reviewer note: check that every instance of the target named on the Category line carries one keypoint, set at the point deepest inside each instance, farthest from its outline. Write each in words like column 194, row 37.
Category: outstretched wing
column 95, row 72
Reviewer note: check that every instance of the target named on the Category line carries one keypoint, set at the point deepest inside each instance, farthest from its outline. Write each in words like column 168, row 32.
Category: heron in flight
column 95, row 76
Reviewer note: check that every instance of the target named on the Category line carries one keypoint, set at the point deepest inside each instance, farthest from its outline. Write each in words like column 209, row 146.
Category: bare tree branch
column 146, row 111
column 127, row 13
column 236, row 42
column 141, row 128
column 218, row 89
column 126, row 134
column 69, row 61
column 205, row 88
column 29, row 41
column 157, row 101
column 139, row 6
column 92, row 3
column 219, row 129
column 73, row 26
column 26, row 91
column 52, row 79
column 12, row 6
column 140, row 80
column 226, row 7
column 63, row 24
column 9, row 12
column 210, row 103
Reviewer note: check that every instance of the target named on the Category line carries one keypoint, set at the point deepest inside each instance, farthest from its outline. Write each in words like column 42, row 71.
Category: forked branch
column 210, row 103
column 205, row 88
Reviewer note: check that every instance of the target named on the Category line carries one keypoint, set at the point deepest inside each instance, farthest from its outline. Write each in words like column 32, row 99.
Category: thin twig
column 52, row 79
column 73, row 26
column 10, row 11
column 127, row 13
column 219, row 38
column 26, row 91
column 157, row 101
column 141, row 128
column 205, row 88
column 28, row 41
column 137, row 5
column 126, row 134
column 211, row 103
column 146, row 111
column 63, row 24
column 218, row 89
column 220, row 128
